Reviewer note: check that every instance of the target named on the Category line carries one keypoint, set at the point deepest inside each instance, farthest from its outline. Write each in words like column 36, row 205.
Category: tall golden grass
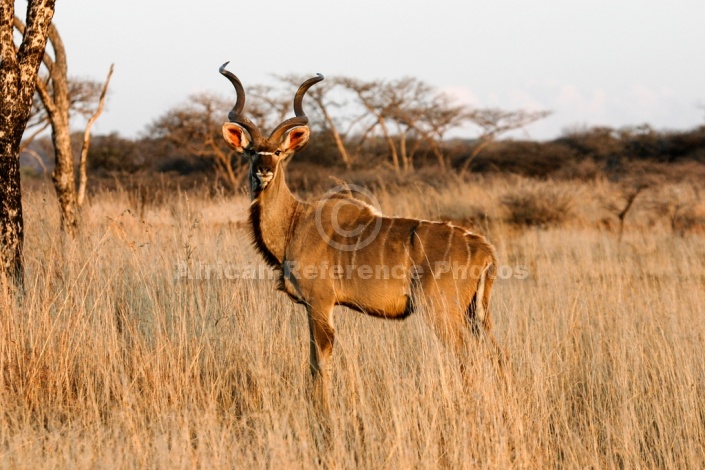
column 111, row 359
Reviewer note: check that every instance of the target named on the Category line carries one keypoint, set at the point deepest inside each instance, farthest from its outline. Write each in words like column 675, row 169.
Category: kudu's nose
column 264, row 169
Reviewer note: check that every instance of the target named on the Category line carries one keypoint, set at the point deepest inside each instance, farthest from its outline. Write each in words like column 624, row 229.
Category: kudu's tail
column 478, row 312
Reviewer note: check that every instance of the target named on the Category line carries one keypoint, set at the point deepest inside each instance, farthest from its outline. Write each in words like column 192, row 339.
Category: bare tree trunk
column 82, row 173
column 379, row 111
column 427, row 136
column 57, row 105
column 341, row 146
column 18, row 74
column 390, row 143
column 439, row 156
column 403, row 152
column 484, row 142
column 64, row 178
column 436, row 149
column 336, row 135
column 622, row 214
column 225, row 167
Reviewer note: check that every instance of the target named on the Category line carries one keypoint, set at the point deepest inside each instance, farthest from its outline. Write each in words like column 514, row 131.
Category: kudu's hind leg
column 321, row 346
column 481, row 329
column 446, row 320
column 499, row 352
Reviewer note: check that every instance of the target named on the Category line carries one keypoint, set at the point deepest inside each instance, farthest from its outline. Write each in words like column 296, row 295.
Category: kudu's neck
column 272, row 215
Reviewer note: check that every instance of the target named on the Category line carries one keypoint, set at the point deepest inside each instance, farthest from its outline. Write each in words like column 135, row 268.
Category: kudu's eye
column 277, row 153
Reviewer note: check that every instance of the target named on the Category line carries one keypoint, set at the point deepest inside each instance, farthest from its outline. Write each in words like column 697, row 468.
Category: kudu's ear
column 295, row 140
column 236, row 136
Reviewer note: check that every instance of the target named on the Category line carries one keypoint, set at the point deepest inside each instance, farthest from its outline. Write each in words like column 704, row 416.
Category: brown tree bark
column 18, row 75
column 57, row 102
column 82, row 172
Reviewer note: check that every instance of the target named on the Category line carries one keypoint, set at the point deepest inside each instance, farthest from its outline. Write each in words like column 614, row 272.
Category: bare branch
column 194, row 127
column 319, row 95
column 377, row 105
column 494, row 122
column 36, row 156
column 82, row 175
column 28, row 140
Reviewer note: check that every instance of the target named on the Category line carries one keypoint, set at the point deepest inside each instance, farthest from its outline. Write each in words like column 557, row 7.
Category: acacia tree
column 195, row 127
column 494, row 122
column 83, row 97
column 18, row 75
column 420, row 110
column 376, row 104
column 401, row 104
column 320, row 96
column 629, row 190
column 417, row 110
column 60, row 96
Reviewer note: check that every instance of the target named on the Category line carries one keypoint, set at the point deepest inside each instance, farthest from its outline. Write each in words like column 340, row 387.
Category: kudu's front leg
column 322, row 338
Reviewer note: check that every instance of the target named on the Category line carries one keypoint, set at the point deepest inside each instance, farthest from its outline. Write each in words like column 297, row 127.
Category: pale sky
column 595, row 62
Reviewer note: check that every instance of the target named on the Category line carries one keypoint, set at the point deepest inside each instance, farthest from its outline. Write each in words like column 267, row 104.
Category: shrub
column 692, row 220
column 539, row 206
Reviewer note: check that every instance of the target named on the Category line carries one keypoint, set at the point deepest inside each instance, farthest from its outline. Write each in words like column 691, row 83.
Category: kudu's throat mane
column 273, row 215
column 257, row 236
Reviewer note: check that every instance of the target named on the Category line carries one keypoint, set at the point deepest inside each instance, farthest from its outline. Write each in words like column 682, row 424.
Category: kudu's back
column 344, row 250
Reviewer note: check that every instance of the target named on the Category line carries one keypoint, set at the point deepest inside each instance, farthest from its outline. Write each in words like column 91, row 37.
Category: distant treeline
column 585, row 152
column 579, row 153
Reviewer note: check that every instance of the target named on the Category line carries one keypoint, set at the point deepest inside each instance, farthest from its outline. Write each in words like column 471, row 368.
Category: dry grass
column 109, row 361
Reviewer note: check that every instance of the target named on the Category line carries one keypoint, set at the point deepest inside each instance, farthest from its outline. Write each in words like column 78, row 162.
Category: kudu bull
column 338, row 250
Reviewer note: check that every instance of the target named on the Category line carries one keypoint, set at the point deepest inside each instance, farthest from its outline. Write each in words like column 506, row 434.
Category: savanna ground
column 115, row 359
